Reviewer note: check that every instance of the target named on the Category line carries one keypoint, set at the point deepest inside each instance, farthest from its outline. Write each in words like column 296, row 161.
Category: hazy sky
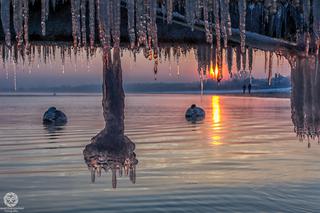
column 80, row 72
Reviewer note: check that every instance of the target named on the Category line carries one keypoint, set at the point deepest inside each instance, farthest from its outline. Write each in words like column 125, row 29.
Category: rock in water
column 54, row 117
column 195, row 113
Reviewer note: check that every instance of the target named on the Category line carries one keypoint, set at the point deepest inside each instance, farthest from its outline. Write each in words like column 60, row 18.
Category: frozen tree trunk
column 112, row 136
column 110, row 149
column 113, row 94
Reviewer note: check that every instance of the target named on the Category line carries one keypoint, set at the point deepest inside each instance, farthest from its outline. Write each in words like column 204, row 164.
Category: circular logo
column 10, row 199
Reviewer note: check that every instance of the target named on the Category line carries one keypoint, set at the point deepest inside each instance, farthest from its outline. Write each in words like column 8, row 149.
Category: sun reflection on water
column 216, row 119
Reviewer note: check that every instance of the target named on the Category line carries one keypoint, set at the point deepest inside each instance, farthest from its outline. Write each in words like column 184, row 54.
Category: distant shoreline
column 283, row 93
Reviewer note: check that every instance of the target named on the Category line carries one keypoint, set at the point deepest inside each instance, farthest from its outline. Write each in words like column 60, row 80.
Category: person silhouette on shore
column 249, row 88
column 244, row 87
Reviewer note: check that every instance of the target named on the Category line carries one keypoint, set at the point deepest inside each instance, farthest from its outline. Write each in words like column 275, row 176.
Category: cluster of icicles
column 305, row 99
column 113, row 164
column 211, row 60
column 214, row 15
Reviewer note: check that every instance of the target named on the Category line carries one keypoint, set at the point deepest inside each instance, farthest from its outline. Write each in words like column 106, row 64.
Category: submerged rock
column 54, row 117
column 195, row 113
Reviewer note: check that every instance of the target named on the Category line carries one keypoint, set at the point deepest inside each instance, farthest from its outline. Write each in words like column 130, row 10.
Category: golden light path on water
column 216, row 120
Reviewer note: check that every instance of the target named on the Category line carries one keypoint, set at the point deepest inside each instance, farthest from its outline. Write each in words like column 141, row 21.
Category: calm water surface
column 244, row 157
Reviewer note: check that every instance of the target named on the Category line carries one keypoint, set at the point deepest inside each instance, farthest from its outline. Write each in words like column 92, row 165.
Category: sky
column 80, row 71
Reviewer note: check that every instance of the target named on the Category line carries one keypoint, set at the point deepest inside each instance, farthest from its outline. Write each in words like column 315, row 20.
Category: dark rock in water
column 195, row 113
column 54, row 117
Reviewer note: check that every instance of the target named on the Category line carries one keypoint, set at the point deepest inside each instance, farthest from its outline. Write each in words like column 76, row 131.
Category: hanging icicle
column 242, row 23
column 224, row 22
column 44, row 15
column 169, row 5
column 250, row 57
column 216, row 7
column 230, row 60
column 115, row 22
column 92, row 22
column 270, row 68
column 244, row 60
column 238, row 58
column 26, row 24
column 190, row 6
column 316, row 24
column 265, row 61
column 18, row 20
column 207, row 21
column 75, row 12
column 5, row 18
column 83, row 9
column 131, row 22
column 104, row 23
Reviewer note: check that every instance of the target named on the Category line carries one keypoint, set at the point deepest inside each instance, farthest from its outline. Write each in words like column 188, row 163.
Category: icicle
column 250, row 57
column 44, row 15
column 131, row 19
column 273, row 8
column 230, row 60
column 306, row 12
column 190, row 13
column 217, row 25
column 270, row 68
column 92, row 23
column 169, row 5
column 115, row 22
column 265, row 61
column 83, row 8
column 18, row 20
column 242, row 23
column 198, row 8
column 244, row 60
column 307, row 42
column 316, row 24
column 141, row 22
column 26, row 24
column 53, row 3
column 76, row 22
column 206, row 21
column 220, row 64
column 227, row 11
column 104, row 22
column 306, row 17
column 238, row 58
column 154, row 24
column 5, row 18
column 224, row 14
column 148, row 17
column 15, row 76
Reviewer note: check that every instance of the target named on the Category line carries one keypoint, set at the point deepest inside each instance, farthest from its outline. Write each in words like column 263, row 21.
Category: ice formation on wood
column 98, row 23
column 213, row 15
column 305, row 101
column 242, row 23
